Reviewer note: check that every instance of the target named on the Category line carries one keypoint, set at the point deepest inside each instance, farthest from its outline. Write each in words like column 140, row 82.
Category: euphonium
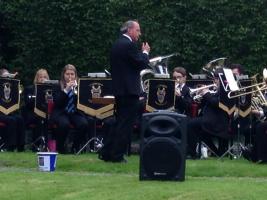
column 144, row 79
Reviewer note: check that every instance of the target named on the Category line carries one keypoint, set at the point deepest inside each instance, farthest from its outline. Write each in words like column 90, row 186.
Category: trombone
column 257, row 87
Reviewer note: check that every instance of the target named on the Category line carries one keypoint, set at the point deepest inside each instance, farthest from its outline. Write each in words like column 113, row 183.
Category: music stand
column 44, row 95
column 95, row 102
column 98, row 143
column 244, row 109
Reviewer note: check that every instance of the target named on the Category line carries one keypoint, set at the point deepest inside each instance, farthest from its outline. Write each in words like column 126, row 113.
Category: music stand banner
column 161, row 95
column 9, row 95
column 43, row 93
column 226, row 104
column 89, row 88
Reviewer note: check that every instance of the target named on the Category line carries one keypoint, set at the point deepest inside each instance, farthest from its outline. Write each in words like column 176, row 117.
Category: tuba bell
column 213, row 65
column 158, row 68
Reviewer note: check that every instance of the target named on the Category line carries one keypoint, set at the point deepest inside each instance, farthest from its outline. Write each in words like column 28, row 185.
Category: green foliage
column 52, row 33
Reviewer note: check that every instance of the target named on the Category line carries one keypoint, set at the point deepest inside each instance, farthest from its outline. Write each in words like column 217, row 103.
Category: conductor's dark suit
column 126, row 63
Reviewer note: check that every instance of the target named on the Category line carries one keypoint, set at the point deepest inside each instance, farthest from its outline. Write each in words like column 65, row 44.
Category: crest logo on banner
column 89, row 88
column 9, row 95
column 7, row 92
column 43, row 93
column 161, row 95
column 96, row 89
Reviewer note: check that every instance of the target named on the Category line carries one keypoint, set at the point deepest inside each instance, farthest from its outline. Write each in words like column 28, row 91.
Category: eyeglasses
column 177, row 77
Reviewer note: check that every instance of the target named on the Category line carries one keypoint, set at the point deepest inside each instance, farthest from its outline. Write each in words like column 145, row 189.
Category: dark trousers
column 14, row 134
column 261, row 141
column 116, row 143
column 63, row 122
column 195, row 133
column 36, row 124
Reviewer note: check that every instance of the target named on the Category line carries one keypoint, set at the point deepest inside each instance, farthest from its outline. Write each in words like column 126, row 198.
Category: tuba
column 158, row 68
column 213, row 65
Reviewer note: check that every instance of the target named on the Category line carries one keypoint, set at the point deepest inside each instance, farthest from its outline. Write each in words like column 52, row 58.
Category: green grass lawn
column 86, row 177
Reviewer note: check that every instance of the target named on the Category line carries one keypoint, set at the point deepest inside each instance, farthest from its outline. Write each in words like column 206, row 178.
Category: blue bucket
column 47, row 161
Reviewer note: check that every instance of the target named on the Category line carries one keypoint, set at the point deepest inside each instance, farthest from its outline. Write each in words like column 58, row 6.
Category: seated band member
column 257, row 150
column 213, row 122
column 14, row 132
column 239, row 124
column 65, row 111
column 237, row 69
column 183, row 99
column 29, row 98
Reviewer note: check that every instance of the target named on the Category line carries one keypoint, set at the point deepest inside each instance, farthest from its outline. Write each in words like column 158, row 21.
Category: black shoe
column 121, row 160
column 246, row 152
column 104, row 157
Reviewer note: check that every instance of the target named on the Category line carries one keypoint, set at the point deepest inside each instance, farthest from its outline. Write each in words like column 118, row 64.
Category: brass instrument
column 254, row 88
column 213, row 65
column 257, row 103
column 75, row 88
column 197, row 97
column 144, row 78
column 156, row 70
column 21, row 88
column 196, row 90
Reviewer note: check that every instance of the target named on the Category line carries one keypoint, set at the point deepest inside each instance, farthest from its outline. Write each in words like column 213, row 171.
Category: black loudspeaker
column 163, row 146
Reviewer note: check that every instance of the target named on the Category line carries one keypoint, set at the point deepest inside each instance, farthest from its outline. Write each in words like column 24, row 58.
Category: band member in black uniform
column 213, row 122
column 242, row 125
column 257, row 150
column 65, row 111
column 14, row 132
column 29, row 116
column 126, row 63
column 183, row 99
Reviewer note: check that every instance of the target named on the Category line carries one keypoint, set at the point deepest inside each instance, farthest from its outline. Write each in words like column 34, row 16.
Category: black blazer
column 215, row 120
column 29, row 92
column 60, row 103
column 126, row 63
column 183, row 102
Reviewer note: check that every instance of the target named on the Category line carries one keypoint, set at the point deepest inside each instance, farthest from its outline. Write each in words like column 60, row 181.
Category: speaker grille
column 161, row 158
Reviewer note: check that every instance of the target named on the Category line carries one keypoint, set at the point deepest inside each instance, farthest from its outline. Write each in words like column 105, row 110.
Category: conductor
column 126, row 62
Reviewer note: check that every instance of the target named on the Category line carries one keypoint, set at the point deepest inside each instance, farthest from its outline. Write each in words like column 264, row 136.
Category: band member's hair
column 62, row 80
column 180, row 70
column 129, row 24
column 239, row 67
column 38, row 73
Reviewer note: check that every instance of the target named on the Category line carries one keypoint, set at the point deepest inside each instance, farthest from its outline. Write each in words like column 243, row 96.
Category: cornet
column 197, row 97
column 75, row 87
column 196, row 90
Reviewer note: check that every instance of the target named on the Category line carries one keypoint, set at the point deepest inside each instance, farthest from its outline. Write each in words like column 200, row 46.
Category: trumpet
column 75, row 88
column 196, row 90
column 197, row 97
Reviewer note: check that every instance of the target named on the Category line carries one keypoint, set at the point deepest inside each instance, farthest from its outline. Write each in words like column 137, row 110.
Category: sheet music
column 231, row 79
